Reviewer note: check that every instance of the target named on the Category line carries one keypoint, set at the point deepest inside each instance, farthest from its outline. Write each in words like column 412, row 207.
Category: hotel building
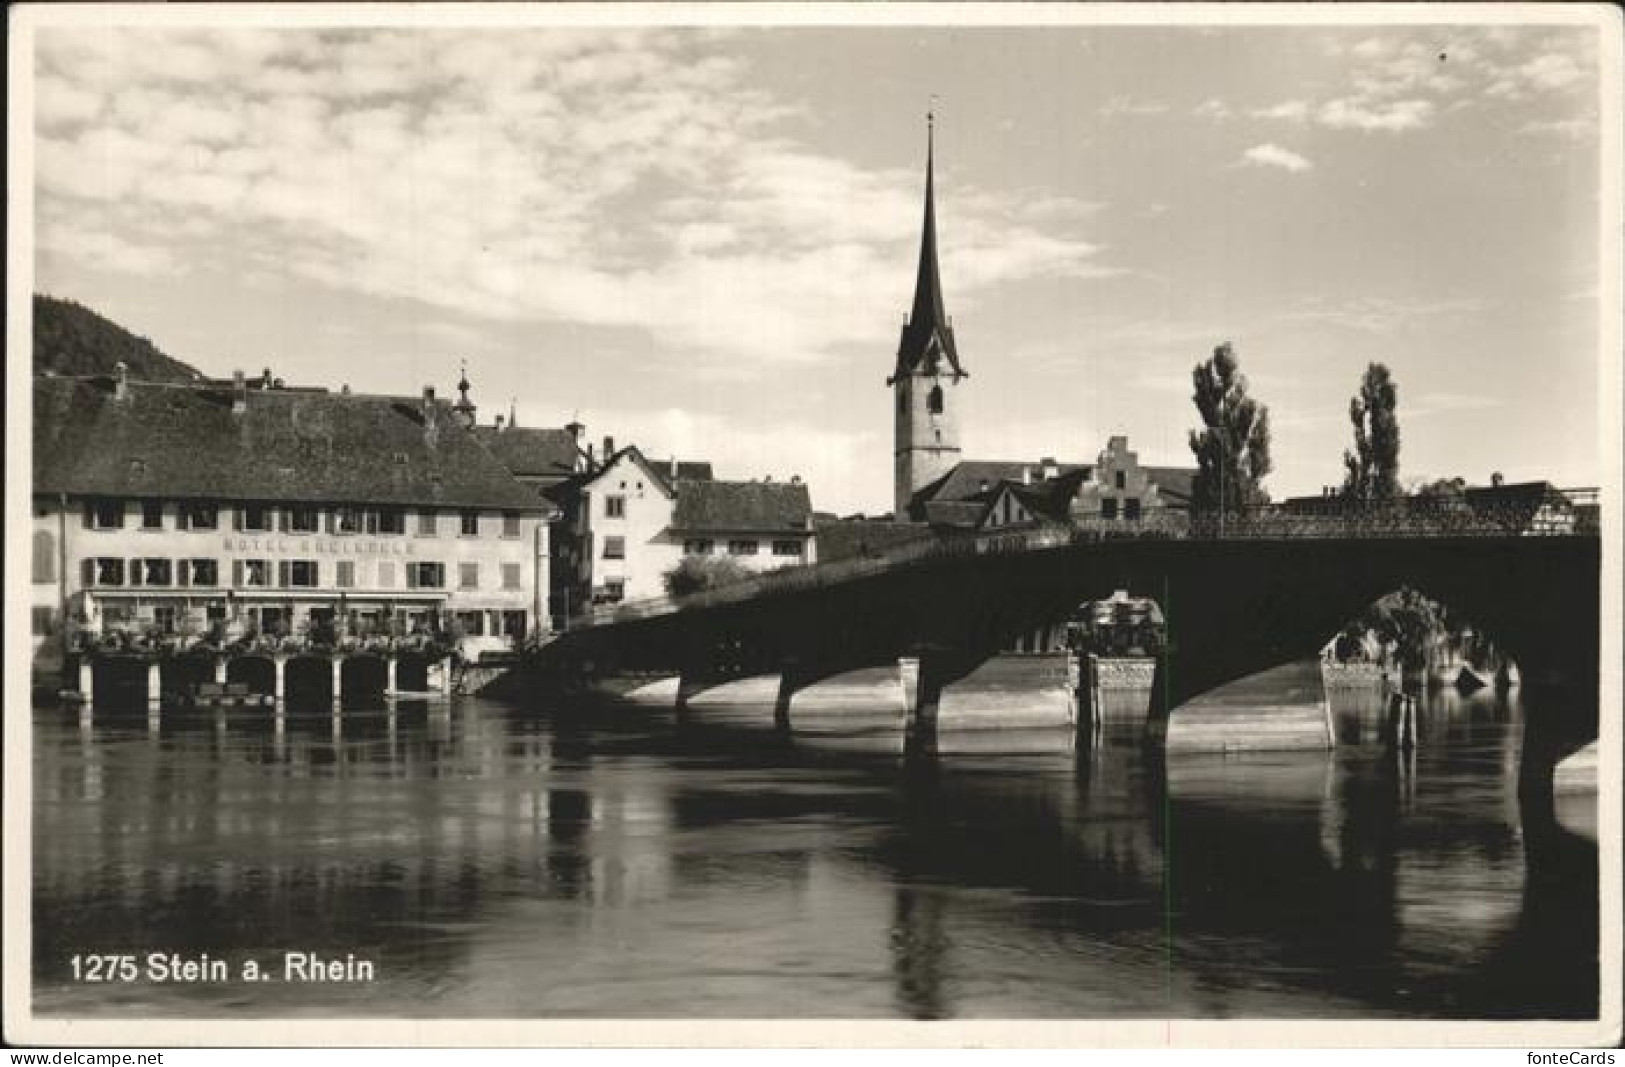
column 232, row 507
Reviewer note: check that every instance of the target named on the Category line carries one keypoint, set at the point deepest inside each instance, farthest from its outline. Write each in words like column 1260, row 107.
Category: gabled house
column 629, row 521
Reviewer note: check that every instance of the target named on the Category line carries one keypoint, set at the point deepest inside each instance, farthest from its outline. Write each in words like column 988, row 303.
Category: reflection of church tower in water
column 928, row 370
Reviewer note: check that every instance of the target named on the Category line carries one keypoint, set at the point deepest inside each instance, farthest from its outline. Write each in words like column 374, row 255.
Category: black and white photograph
column 685, row 525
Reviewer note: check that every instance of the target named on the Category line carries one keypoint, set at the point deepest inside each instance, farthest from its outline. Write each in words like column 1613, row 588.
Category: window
column 742, row 548
column 615, row 507
column 510, row 524
column 44, row 621
column 163, row 618
column 787, row 548
column 199, row 572
column 386, row 574
column 154, row 572
column 699, row 546
column 302, row 519
column 1120, row 479
column 252, row 572
column 425, row 575
column 470, row 523
column 106, row 571
column 510, row 576
column 615, row 591
column 1131, row 508
column 386, row 521
column 44, row 556
column 104, row 514
column 513, row 624
column 428, row 523
column 296, row 573
column 468, row 575
column 933, row 400
column 346, row 520
column 614, row 548
column 1108, row 508
column 199, row 515
column 152, row 514
column 346, row 574
column 471, row 623
column 255, row 518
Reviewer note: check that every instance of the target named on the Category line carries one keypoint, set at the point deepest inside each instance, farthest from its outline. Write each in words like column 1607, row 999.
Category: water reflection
column 613, row 861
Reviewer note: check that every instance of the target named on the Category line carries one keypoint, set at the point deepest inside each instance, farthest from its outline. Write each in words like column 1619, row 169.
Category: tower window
column 933, row 400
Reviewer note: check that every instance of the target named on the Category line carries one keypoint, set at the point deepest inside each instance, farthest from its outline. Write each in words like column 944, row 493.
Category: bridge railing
column 1569, row 512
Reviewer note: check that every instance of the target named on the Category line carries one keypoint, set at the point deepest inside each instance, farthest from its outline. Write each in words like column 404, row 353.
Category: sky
column 702, row 240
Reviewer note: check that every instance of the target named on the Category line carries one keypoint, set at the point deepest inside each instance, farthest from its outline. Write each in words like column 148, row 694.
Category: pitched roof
column 743, row 506
column 927, row 334
column 531, row 452
column 1174, row 484
column 970, row 477
column 185, row 441
column 688, row 470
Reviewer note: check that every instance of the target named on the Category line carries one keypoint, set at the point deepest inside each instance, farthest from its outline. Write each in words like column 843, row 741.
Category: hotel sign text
column 331, row 546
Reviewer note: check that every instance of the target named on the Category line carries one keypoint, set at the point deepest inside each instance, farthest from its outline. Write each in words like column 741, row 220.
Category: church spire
column 927, row 334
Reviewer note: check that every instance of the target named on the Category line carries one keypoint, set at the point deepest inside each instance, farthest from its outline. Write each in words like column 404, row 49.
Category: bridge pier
column 922, row 681
column 789, row 684
column 1083, row 699
column 1156, row 716
column 691, row 683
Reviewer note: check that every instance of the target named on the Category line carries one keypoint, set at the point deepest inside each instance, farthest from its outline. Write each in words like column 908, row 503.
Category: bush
column 696, row 574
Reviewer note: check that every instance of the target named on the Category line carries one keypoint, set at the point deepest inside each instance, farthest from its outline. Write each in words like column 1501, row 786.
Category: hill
column 71, row 339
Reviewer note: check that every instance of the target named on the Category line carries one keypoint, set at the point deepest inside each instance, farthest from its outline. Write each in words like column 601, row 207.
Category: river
column 608, row 860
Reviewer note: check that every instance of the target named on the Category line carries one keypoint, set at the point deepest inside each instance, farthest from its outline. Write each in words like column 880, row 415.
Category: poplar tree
column 1373, row 465
column 1233, row 447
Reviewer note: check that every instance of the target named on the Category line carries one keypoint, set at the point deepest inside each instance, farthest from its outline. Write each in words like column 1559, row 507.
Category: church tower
column 928, row 371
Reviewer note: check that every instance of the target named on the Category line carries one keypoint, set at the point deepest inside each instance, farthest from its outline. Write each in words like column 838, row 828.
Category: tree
column 1233, row 447
column 695, row 574
column 1373, row 465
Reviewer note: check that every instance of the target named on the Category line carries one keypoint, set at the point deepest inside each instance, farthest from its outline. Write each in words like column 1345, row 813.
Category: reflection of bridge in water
column 1241, row 593
column 1267, row 886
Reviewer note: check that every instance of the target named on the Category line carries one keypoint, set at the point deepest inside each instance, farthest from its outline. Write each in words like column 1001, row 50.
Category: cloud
column 1271, row 155
column 1212, row 108
column 1354, row 114
column 1378, row 314
column 601, row 178
column 1292, row 110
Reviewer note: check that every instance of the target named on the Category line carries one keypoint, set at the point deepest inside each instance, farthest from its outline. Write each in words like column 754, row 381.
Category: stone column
column 445, row 677
column 220, row 672
column 280, row 692
column 389, row 674
column 87, row 683
column 155, row 686
column 338, row 680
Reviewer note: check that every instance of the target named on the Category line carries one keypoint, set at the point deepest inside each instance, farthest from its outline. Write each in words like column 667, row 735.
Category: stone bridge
column 1258, row 594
